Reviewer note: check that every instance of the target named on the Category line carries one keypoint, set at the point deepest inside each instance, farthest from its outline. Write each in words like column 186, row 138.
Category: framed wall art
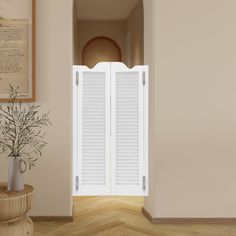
column 17, row 48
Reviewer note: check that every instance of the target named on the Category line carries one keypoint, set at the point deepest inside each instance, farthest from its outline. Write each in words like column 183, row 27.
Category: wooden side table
column 13, row 209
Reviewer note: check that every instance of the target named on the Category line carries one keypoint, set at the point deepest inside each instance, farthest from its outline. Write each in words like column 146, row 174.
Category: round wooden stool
column 13, row 207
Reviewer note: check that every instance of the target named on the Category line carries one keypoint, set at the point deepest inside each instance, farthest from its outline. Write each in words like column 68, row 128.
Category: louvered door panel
column 127, row 128
column 127, row 112
column 94, row 130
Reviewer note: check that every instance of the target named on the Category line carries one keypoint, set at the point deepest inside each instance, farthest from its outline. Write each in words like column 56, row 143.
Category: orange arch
column 101, row 37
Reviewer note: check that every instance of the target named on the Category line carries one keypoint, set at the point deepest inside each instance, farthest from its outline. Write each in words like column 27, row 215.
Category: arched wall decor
column 101, row 38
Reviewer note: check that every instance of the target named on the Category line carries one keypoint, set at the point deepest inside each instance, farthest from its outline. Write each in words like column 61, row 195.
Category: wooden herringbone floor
column 121, row 216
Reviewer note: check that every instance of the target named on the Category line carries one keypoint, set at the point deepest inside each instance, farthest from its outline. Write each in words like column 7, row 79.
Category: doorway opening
column 108, row 30
column 118, row 24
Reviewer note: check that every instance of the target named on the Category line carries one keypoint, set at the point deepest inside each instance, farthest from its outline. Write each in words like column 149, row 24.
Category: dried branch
column 21, row 129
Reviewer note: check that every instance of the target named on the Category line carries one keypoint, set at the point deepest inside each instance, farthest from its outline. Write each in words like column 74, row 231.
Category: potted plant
column 21, row 137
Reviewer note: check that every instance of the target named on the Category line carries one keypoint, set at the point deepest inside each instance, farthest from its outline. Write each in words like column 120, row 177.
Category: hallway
column 119, row 216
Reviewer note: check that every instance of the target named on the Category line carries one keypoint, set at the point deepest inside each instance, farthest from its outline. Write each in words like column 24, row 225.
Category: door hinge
column 77, row 78
column 144, row 78
column 77, row 183
column 144, row 183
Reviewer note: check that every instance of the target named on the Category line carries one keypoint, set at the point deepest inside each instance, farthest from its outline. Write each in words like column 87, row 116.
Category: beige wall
column 75, row 35
column 134, row 36
column 52, row 176
column 149, row 59
column 190, row 46
column 91, row 29
column 193, row 64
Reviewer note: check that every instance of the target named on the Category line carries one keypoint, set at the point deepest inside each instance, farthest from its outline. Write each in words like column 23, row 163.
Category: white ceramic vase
column 17, row 168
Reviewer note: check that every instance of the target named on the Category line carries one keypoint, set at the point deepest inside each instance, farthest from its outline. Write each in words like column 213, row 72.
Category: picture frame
column 17, row 48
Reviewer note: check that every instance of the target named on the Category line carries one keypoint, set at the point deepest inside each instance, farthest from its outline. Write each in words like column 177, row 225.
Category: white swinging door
column 128, row 152
column 92, row 130
column 110, row 130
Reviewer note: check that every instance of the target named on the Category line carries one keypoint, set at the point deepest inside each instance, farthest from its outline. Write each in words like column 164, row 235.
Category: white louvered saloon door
column 93, row 138
column 129, row 127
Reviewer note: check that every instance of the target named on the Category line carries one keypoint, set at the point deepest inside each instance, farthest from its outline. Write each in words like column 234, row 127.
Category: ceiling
column 104, row 9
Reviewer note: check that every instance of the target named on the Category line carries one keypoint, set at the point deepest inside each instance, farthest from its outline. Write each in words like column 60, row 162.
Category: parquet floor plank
column 122, row 216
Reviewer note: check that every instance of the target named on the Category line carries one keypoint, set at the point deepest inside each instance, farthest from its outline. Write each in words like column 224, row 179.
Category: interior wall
column 149, row 59
column 51, row 177
column 193, row 64
column 134, row 38
column 190, row 47
column 88, row 30
column 75, row 35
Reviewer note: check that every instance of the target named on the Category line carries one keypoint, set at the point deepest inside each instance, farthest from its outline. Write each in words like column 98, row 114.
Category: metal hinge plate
column 77, row 78
column 77, row 183
column 144, row 79
column 144, row 183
